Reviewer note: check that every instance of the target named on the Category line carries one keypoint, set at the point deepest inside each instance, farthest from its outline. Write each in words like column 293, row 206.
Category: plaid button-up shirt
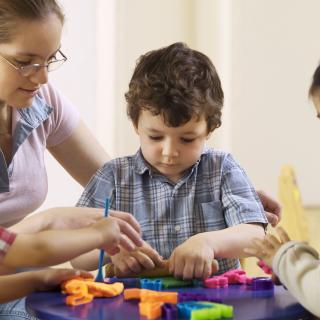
column 212, row 195
column 6, row 239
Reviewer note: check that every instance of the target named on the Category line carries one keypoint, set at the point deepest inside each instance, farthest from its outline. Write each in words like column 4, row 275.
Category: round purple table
column 248, row 305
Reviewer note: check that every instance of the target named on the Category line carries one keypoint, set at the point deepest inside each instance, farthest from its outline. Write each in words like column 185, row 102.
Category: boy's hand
column 192, row 259
column 116, row 232
column 271, row 207
column 135, row 261
column 47, row 279
column 267, row 248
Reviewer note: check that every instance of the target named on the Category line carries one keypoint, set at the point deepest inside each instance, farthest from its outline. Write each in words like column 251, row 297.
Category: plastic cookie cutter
column 216, row 282
column 190, row 296
column 78, row 291
column 204, row 310
column 262, row 283
column 237, row 276
column 152, row 284
column 127, row 282
column 145, row 295
column 169, row 311
column 171, row 282
column 151, row 310
column 83, row 290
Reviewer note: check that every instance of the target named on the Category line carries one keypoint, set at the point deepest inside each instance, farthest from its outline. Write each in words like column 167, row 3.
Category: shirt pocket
column 209, row 216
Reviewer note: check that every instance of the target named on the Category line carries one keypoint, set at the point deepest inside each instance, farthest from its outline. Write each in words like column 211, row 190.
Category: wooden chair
column 294, row 219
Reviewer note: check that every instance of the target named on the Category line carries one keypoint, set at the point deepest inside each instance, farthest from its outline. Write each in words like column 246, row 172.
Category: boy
column 193, row 203
column 53, row 247
column 296, row 264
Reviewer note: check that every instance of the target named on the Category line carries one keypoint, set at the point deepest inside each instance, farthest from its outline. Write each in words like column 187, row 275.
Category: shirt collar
column 141, row 165
column 37, row 113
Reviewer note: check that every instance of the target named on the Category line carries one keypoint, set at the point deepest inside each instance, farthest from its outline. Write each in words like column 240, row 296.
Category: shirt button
column 177, row 228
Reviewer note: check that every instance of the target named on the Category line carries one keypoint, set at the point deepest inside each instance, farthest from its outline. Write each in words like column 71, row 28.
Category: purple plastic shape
column 169, row 311
column 127, row 282
column 262, row 283
column 189, row 296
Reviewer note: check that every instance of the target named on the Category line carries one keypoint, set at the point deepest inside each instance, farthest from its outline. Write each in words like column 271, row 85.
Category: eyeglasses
column 31, row 69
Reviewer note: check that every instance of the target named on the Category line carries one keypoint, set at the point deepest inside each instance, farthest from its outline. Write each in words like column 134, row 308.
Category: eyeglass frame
column 35, row 67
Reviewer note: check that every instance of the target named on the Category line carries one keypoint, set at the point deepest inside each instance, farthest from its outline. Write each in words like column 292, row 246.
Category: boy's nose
column 169, row 149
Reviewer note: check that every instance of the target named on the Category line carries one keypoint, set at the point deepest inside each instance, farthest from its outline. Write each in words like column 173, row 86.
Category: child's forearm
column 88, row 261
column 230, row 242
column 17, row 285
column 51, row 247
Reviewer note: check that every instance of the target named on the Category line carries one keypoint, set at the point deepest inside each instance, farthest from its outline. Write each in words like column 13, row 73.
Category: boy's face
column 171, row 150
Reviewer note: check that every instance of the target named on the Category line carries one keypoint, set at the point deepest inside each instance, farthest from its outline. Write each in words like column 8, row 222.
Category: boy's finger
column 198, row 269
column 207, row 270
column 188, row 270
column 284, row 237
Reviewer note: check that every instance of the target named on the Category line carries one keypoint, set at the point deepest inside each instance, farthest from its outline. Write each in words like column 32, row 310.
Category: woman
column 34, row 116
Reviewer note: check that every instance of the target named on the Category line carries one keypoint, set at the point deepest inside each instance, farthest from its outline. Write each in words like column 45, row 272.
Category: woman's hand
column 271, row 207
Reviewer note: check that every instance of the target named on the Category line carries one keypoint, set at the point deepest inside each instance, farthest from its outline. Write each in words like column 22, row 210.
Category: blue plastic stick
column 100, row 276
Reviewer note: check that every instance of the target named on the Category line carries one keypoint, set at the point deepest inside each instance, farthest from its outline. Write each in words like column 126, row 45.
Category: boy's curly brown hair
column 177, row 83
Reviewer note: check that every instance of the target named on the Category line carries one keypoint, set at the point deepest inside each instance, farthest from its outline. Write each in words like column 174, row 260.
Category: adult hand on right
column 271, row 207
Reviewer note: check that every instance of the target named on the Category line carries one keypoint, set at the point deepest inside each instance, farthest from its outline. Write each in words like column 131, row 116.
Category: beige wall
column 264, row 50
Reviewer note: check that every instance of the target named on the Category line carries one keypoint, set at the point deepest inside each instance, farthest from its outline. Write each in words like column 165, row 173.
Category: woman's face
column 33, row 42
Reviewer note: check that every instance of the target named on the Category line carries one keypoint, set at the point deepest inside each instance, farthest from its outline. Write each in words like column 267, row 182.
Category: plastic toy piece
column 84, row 290
column 171, row 282
column 217, row 311
column 169, row 311
column 127, row 282
column 152, row 284
column 133, row 293
column 79, row 292
column 264, row 267
column 216, row 282
column 111, row 271
column 237, row 276
column 151, row 310
column 156, row 296
column 151, row 296
column 188, row 296
column 262, row 283
column 204, row 310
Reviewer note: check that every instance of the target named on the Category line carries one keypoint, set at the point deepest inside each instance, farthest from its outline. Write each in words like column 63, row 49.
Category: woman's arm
column 19, row 285
column 81, row 155
column 58, row 218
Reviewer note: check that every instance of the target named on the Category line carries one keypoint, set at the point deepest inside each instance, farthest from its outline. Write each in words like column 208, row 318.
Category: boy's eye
column 185, row 140
column 155, row 138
